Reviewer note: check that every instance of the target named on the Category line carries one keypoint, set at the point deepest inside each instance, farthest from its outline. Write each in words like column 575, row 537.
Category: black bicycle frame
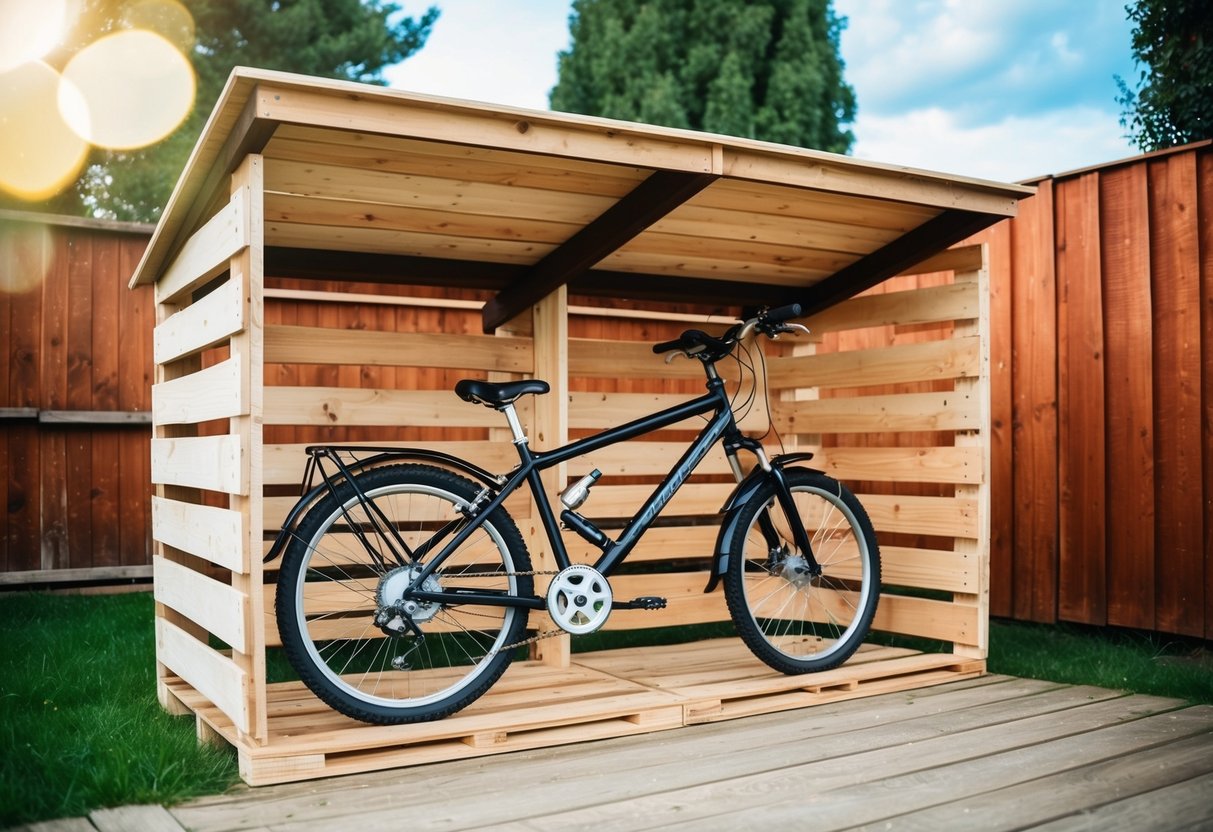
column 720, row 427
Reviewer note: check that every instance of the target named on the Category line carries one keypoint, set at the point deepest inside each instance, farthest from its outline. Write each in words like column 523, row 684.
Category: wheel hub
column 579, row 599
column 797, row 571
column 391, row 601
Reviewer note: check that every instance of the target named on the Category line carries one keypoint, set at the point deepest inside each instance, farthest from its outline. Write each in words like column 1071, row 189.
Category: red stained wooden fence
column 74, row 389
column 1101, row 384
column 1103, row 397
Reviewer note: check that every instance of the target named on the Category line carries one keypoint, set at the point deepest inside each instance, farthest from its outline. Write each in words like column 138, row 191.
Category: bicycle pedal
column 646, row 602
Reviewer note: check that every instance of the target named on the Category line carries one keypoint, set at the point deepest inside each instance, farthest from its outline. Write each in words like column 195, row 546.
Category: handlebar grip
column 783, row 313
column 667, row 346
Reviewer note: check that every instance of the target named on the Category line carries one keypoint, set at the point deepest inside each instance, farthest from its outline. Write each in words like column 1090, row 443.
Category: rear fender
column 384, row 455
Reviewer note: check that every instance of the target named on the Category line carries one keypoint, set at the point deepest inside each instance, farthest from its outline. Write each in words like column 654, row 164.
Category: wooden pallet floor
column 602, row 695
column 988, row 753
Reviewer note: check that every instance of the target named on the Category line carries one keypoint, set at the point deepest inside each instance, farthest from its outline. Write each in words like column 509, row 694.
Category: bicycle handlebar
column 695, row 343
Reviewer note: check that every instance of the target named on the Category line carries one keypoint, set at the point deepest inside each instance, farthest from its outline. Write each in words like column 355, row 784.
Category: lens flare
column 39, row 153
column 29, row 256
column 29, row 29
column 126, row 90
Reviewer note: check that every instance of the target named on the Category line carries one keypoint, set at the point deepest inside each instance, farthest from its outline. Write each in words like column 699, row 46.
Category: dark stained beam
column 911, row 248
column 648, row 202
column 600, row 283
column 364, row 267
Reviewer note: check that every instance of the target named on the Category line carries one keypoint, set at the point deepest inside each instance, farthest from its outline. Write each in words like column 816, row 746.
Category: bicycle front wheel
column 341, row 595
column 794, row 620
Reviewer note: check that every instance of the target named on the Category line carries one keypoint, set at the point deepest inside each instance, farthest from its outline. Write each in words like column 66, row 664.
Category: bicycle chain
column 539, row 636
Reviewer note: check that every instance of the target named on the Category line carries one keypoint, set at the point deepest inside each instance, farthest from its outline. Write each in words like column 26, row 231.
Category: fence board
column 1125, row 253
column 1034, row 411
column 1175, row 290
column 1204, row 203
column 1081, row 449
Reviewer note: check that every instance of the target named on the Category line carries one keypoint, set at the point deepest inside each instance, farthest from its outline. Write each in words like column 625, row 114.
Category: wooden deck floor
column 981, row 754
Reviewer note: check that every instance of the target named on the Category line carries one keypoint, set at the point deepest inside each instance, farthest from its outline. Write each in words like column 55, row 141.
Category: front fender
column 732, row 511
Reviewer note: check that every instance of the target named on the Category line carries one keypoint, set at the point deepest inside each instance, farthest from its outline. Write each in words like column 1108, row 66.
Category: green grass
column 80, row 727
column 1112, row 658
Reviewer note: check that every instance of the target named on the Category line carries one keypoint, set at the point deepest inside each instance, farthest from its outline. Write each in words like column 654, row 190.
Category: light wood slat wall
column 894, row 401
column 206, row 462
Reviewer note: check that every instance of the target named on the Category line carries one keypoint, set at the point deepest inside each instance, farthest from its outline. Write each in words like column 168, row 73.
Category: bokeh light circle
column 29, row 247
column 29, row 29
column 127, row 90
column 39, row 153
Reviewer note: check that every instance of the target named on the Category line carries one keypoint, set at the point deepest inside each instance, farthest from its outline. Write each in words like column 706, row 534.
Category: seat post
column 511, row 416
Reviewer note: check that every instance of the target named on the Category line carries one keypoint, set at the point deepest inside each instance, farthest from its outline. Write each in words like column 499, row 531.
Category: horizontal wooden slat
column 639, row 459
column 379, row 240
column 203, row 324
column 367, row 151
column 927, row 361
column 959, row 465
column 84, row 574
column 927, row 618
column 595, row 358
column 210, row 462
column 877, row 414
column 216, row 607
column 659, row 543
column 688, row 604
column 318, row 345
column 213, row 393
column 216, row 534
column 544, row 134
column 596, row 411
column 212, row 674
column 951, row 302
column 959, row 259
column 486, row 203
column 947, row 516
column 928, row 569
column 334, row 406
column 208, row 251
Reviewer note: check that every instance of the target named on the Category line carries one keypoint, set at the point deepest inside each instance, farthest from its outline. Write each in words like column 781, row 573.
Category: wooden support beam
column 652, row 199
column 936, row 234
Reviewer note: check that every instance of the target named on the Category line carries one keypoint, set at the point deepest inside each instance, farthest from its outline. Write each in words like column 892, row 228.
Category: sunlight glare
column 39, row 153
column 127, row 90
column 29, row 29
column 29, row 252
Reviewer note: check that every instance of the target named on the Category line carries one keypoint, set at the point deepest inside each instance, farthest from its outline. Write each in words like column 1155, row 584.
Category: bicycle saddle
column 497, row 395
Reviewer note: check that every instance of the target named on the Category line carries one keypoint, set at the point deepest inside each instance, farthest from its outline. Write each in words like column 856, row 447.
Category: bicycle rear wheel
column 793, row 620
column 342, row 582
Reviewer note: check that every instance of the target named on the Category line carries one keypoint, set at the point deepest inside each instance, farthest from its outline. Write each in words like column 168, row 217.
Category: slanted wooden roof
column 368, row 183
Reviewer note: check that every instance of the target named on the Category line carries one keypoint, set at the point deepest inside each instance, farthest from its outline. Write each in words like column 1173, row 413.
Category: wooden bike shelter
column 445, row 239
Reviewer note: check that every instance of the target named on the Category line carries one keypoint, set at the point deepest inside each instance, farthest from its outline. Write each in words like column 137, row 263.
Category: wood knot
column 523, row 126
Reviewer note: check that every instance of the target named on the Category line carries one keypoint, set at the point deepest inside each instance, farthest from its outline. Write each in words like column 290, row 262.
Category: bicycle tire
column 794, row 622
column 333, row 641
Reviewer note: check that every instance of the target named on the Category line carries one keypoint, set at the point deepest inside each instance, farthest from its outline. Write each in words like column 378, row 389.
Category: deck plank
column 595, row 782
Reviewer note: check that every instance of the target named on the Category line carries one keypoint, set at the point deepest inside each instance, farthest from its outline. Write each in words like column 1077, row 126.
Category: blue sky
column 1001, row 89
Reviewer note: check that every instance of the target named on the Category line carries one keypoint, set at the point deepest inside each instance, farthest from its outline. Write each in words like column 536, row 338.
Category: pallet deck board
column 605, row 694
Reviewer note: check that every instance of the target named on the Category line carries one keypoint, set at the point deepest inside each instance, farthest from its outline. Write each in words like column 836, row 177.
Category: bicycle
column 405, row 585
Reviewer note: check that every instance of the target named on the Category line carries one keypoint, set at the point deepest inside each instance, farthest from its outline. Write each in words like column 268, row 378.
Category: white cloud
column 1013, row 149
column 482, row 50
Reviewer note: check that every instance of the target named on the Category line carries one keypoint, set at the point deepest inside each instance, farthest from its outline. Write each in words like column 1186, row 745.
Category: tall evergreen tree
column 1173, row 103
column 766, row 69
column 347, row 39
